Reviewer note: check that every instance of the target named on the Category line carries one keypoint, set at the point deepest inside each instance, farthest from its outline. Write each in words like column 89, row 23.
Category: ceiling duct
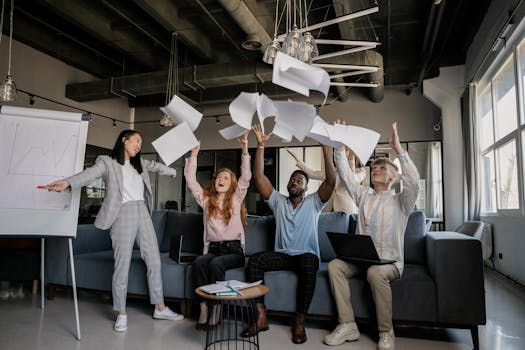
column 257, row 37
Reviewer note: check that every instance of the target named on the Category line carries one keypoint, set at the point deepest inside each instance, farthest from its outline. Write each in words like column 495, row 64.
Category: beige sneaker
column 387, row 340
column 167, row 314
column 343, row 332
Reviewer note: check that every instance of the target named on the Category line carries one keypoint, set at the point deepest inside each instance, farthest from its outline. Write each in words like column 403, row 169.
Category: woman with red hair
column 225, row 219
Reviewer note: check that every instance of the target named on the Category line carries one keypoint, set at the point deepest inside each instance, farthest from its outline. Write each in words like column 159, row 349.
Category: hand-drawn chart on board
column 38, row 147
column 35, row 153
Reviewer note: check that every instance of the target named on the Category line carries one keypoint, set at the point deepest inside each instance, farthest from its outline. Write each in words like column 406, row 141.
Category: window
column 501, row 135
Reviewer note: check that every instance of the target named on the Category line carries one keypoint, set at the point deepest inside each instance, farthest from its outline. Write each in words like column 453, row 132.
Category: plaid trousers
column 304, row 265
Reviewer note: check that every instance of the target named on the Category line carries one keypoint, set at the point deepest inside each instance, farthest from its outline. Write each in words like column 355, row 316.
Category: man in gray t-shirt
column 296, row 243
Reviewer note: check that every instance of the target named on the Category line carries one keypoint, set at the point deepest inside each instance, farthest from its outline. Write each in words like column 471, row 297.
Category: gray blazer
column 111, row 171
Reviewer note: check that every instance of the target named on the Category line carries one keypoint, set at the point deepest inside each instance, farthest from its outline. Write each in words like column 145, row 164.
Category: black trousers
column 221, row 256
column 304, row 265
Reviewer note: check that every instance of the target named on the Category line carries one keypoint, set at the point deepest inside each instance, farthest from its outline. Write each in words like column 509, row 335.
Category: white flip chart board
column 37, row 147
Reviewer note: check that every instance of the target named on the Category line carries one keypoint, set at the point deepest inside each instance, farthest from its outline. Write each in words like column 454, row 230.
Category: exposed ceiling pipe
column 435, row 31
column 257, row 37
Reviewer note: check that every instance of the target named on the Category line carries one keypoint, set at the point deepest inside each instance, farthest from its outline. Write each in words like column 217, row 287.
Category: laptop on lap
column 356, row 248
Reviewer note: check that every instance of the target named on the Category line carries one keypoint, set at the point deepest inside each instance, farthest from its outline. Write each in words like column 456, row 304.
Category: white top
column 383, row 215
column 133, row 184
column 340, row 199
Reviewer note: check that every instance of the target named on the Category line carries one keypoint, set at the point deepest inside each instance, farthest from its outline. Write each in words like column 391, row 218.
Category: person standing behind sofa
column 225, row 219
column 383, row 214
column 296, row 242
column 126, row 211
column 340, row 199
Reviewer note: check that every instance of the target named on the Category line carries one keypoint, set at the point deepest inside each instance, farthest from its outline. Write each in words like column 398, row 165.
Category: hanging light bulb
column 166, row 121
column 294, row 43
column 8, row 88
column 309, row 50
column 271, row 51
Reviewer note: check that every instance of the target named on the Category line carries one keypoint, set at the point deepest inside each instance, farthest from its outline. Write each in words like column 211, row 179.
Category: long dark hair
column 118, row 151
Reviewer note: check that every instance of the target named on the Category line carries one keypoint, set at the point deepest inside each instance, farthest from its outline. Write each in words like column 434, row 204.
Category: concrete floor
column 24, row 325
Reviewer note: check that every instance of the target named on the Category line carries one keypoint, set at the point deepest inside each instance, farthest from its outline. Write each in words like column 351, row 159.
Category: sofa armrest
column 455, row 263
column 91, row 239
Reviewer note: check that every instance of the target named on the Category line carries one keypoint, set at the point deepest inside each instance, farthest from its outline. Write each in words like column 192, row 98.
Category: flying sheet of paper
column 242, row 109
column 297, row 117
column 319, row 132
column 232, row 132
column 265, row 109
column 179, row 111
column 299, row 76
column 360, row 140
column 283, row 132
column 175, row 143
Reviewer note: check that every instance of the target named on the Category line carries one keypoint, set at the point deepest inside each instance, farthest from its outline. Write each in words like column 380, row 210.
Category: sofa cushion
column 259, row 235
column 182, row 223
column 336, row 221
column 415, row 243
column 91, row 239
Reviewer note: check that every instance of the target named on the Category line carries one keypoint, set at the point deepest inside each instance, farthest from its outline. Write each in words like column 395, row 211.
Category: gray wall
column 508, row 231
column 43, row 75
column 415, row 115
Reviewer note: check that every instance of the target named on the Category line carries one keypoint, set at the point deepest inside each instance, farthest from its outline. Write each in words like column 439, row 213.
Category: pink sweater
column 216, row 229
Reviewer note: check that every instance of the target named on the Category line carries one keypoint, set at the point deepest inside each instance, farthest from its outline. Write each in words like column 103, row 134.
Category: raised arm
column 190, row 170
column 312, row 174
column 327, row 186
column 246, row 173
column 410, row 175
column 264, row 186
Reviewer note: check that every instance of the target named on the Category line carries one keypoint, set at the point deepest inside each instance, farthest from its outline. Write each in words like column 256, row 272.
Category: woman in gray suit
column 126, row 210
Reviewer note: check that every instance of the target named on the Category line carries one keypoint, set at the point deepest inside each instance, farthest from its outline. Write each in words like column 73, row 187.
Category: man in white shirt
column 383, row 214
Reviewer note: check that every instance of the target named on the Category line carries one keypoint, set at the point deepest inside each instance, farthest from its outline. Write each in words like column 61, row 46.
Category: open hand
column 261, row 137
column 393, row 140
column 195, row 150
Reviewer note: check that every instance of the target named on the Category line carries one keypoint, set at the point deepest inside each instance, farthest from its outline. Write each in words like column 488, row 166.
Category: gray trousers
column 134, row 222
column 378, row 276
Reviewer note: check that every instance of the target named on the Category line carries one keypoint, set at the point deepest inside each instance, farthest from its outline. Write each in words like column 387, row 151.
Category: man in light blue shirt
column 296, row 243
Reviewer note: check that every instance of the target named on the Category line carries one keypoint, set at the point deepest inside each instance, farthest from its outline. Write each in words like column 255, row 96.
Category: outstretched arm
column 312, row 174
column 83, row 178
column 263, row 184
column 327, row 187
column 246, row 173
column 410, row 175
column 190, row 170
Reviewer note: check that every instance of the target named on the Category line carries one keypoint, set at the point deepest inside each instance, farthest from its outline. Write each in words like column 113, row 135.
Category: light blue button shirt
column 296, row 228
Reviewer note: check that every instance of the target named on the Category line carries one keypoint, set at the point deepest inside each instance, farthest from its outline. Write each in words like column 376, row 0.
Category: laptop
column 178, row 253
column 356, row 248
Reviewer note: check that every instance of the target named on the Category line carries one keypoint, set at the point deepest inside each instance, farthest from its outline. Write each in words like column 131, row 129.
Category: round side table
column 236, row 313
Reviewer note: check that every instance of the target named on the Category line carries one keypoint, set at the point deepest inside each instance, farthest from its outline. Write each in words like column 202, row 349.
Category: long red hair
column 213, row 201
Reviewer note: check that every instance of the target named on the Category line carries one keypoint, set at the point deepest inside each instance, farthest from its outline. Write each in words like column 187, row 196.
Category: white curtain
column 434, row 181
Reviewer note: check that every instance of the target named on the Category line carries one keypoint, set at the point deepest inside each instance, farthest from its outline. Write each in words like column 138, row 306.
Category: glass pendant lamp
column 8, row 88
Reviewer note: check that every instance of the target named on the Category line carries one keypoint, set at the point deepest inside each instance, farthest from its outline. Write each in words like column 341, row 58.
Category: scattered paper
column 298, row 76
column 179, row 111
column 298, row 117
column 232, row 132
column 283, row 132
column 360, row 140
column 265, row 109
column 320, row 133
column 242, row 109
column 175, row 143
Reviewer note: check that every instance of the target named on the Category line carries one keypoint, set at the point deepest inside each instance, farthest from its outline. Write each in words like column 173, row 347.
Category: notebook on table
column 356, row 248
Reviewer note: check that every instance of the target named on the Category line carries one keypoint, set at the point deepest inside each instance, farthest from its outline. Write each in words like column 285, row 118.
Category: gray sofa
column 442, row 284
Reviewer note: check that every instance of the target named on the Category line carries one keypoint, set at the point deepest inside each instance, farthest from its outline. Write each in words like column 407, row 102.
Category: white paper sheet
column 319, row 132
column 283, row 132
column 299, row 76
column 265, row 109
column 232, row 132
column 179, row 111
column 298, row 117
column 175, row 143
column 242, row 109
column 360, row 140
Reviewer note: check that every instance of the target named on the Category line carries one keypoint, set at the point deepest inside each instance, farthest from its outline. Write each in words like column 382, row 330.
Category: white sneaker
column 387, row 340
column 343, row 332
column 121, row 323
column 167, row 314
